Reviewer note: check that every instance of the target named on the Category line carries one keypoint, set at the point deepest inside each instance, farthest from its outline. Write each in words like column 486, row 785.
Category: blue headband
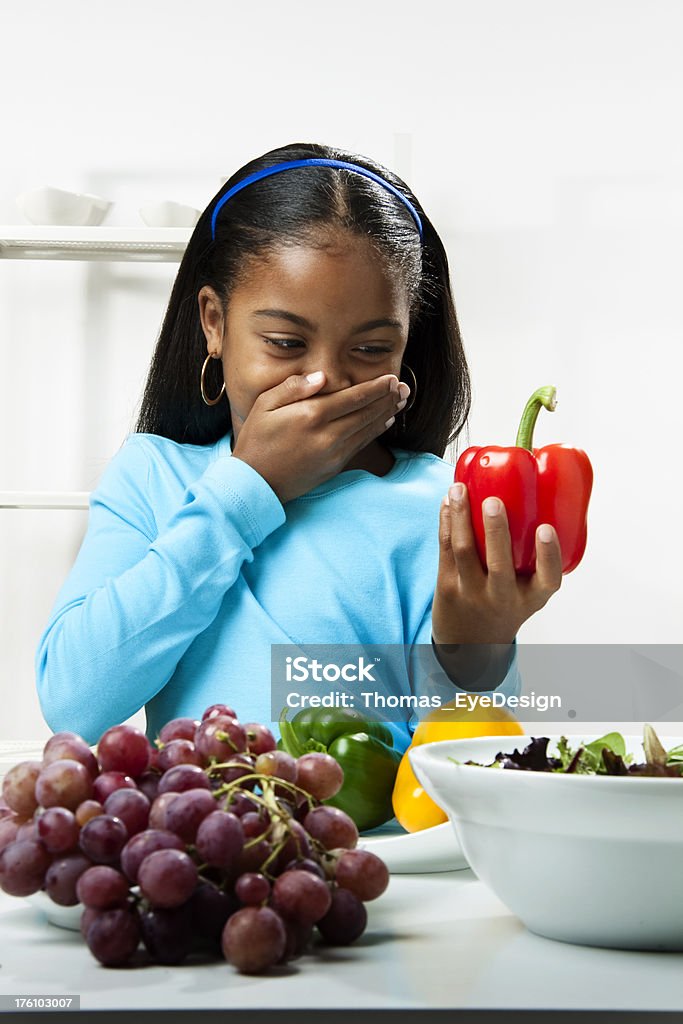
column 317, row 162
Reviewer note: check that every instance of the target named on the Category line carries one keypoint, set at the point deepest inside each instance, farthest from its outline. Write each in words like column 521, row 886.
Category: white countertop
column 439, row 941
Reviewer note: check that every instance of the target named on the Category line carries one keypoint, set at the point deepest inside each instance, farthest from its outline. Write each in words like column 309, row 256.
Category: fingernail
column 444, row 500
column 403, row 390
column 456, row 493
column 314, row 378
column 492, row 507
column 389, row 422
column 401, row 405
column 545, row 533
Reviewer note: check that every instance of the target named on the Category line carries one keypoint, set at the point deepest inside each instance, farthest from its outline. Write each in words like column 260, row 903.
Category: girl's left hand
column 473, row 605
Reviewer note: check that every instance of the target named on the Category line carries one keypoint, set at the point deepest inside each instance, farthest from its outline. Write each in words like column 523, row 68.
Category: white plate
column 63, row 917
column 405, row 853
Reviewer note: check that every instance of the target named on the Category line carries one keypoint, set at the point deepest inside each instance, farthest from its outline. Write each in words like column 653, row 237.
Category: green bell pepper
column 364, row 749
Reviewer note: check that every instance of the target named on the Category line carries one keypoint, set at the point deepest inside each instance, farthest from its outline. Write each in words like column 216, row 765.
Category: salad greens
column 604, row 756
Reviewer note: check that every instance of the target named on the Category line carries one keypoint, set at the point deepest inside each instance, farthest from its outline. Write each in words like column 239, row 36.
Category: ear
column 211, row 316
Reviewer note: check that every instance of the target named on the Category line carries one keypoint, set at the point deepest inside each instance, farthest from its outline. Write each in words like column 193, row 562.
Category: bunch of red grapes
column 211, row 841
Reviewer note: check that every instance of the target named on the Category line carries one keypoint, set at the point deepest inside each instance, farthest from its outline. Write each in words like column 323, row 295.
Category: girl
column 279, row 487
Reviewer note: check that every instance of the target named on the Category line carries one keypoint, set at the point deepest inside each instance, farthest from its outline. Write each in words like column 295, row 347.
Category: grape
column 167, row 878
column 346, row 919
column 9, row 827
column 186, row 813
column 319, row 774
column 210, row 908
column 131, row 806
column 157, row 812
column 178, row 729
column 239, row 803
column 148, row 783
column 108, row 782
column 62, row 877
column 182, row 777
column 58, row 829
column 252, row 888
column 72, row 747
column 301, row 897
column 87, row 917
column 167, row 933
column 259, row 738
column 218, row 709
column 306, row 865
column 296, row 845
column 363, row 873
column 254, row 857
column 59, row 737
column 219, row 840
column 241, row 765
column 220, row 737
column 331, row 827
column 254, row 939
column 19, row 787
column 113, row 936
column 144, row 843
column 87, row 810
column 103, row 838
column 102, row 887
column 22, row 867
column 277, row 763
column 298, row 938
column 177, row 752
column 28, row 830
column 67, row 783
column 123, row 748
column 123, row 834
column 255, row 823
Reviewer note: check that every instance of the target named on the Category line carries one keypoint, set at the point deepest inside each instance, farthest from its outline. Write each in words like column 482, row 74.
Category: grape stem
column 223, row 737
column 261, row 778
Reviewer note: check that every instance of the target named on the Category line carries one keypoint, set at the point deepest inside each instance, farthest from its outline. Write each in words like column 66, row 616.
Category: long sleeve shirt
column 191, row 568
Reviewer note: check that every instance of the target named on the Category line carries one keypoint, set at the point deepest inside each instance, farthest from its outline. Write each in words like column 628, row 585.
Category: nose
column 337, row 376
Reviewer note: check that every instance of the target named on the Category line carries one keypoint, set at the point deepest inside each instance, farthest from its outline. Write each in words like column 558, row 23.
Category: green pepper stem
column 543, row 397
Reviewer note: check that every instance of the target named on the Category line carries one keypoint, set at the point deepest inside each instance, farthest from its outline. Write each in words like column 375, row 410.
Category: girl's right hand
column 296, row 439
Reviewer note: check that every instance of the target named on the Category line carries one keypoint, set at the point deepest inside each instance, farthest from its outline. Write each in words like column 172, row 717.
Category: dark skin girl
column 297, row 434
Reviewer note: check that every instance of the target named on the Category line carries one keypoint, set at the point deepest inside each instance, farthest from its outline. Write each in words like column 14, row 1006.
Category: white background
column 543, row 140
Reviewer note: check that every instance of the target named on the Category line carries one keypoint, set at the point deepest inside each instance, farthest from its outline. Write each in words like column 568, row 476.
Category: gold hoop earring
column 210, row 401
column 412, row 399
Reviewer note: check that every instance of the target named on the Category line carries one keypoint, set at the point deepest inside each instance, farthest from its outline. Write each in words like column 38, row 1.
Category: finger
column 361, row 403
column 500, row 564
column 548, row 576
column 463, row 545
column 293, row 389
column 359, row 428
column 447, row 570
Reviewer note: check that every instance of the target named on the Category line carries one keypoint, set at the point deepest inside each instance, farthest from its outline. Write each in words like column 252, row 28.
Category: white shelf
column 44, row 499
column 23, row 242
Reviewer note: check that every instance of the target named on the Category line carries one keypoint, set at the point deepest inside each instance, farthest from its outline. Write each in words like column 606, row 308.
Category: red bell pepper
column 537, row 485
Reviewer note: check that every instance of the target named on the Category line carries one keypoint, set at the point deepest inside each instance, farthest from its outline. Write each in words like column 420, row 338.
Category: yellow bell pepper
column 414, row 809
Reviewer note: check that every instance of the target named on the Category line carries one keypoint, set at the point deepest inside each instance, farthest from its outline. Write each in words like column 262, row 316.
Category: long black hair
column 291, row 208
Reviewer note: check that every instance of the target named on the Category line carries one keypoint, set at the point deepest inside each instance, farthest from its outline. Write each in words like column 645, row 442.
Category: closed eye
column 290, row 343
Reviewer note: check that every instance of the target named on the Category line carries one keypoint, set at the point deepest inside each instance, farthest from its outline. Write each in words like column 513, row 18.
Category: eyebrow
column 300, row 321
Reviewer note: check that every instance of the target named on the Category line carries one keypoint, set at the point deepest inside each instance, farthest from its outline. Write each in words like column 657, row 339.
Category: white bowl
column 594, row 860
column 47, row 205
column 167, row 214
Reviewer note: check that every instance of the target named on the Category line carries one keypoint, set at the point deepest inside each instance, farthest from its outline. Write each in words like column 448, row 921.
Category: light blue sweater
column 191, row 568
